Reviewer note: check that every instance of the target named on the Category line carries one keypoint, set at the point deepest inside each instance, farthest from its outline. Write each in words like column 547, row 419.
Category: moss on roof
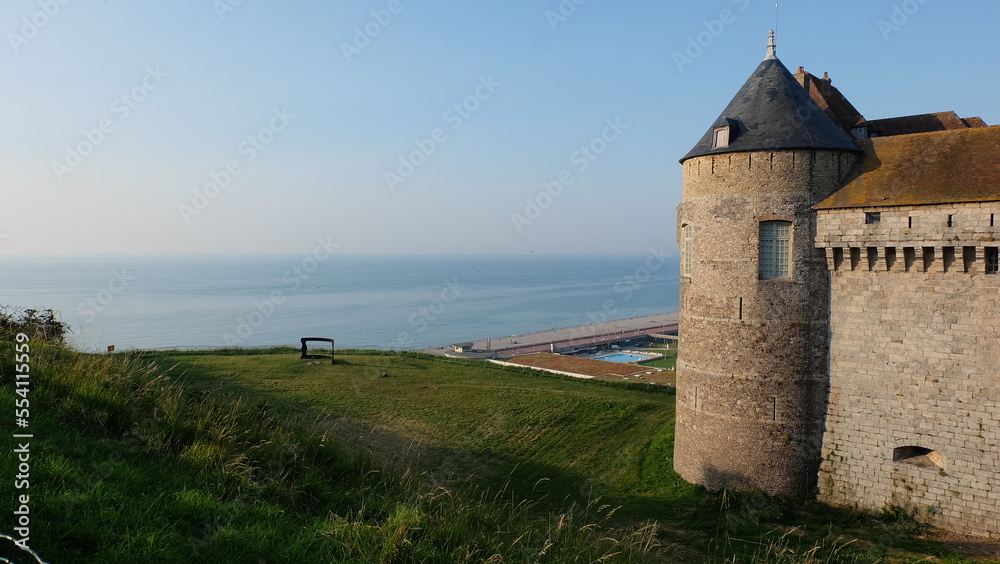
column 922, row 123
column 961, row 165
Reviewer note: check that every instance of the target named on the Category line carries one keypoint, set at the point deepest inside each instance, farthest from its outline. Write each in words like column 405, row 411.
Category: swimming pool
column 621, row 357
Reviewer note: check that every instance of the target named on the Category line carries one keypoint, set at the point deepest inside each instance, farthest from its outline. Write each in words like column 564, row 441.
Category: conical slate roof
column 772, row 112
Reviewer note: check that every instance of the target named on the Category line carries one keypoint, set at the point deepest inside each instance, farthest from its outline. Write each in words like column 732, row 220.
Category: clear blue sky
column 205, row 79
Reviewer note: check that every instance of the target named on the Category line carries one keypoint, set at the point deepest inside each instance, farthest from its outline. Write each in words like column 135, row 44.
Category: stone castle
column 840, row 304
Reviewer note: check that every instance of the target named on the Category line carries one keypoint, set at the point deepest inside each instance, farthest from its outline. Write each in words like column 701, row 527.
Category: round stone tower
column 752, row 372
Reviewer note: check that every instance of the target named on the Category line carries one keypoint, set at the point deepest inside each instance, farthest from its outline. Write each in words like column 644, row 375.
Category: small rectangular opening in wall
column 992, row 260
column 873, row 218
column 969, row 258
column 928, row 258
column 890, row 258
column 909, row 257
column 774, row 409
column 909, row 222
column 855, row 257
column 838, row 258
column 872, row 257
column 951, row 220
column 992, row 220
column 948, row 258
column 741, row 309
column 919, row 456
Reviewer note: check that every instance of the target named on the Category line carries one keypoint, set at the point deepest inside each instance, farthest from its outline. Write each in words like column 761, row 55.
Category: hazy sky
column 418, row 126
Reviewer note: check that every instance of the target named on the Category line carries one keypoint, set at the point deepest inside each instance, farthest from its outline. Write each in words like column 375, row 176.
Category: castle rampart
column 914, row 410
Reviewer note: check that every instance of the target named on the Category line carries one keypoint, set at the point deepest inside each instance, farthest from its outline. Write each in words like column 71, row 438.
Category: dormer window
column 723, row 133
column 721, row 137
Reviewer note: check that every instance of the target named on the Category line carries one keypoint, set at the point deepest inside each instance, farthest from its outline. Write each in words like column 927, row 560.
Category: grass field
column 263, row 457
column 454, row 418
column 668, row 361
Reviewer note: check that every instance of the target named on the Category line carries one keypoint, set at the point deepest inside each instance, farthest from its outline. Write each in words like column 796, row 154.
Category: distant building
column 840, row 304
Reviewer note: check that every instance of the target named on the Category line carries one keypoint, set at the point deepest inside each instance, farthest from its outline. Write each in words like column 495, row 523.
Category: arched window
column 775, row 249
column 687, row 246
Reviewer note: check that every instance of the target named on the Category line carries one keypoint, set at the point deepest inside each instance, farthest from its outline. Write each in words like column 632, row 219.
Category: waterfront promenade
column 572, row 337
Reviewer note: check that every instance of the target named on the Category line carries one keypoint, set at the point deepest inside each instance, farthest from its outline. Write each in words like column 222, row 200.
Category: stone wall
column 752, row 367
column 914, row 409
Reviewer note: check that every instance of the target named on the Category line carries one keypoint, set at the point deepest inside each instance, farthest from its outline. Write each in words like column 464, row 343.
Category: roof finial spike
column 771, row 48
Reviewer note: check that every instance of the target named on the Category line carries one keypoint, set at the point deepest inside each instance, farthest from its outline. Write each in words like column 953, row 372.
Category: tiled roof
column 829, row 98
column 958, row 165
column 772, row 111
column 923, row 123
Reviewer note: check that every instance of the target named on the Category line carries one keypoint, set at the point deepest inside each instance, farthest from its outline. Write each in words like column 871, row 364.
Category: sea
column 379, row 302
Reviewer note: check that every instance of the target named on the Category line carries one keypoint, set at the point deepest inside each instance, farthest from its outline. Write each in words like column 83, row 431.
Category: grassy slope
column 456, row 418
column 129, row 467
column 540, row 437
column 209, row 461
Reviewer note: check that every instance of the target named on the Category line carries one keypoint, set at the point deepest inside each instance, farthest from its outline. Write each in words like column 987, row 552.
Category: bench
column 305, row 348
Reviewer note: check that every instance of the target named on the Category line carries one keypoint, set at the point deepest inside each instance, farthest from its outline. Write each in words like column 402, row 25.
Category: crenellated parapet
column 954, row 238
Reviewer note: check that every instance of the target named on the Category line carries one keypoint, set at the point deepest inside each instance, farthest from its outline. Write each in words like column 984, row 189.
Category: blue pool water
column 620, row 357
